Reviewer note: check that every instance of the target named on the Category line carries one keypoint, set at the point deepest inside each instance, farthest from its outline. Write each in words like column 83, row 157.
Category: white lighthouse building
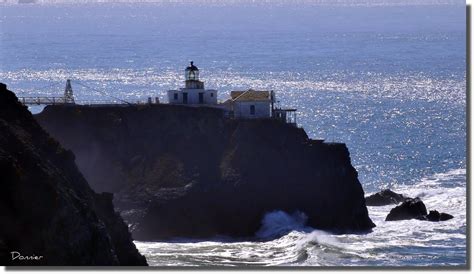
column 193, row 93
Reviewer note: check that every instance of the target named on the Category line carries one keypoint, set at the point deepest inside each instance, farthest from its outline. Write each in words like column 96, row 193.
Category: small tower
column 68, row 94
column 193, row 92
column 191, row 74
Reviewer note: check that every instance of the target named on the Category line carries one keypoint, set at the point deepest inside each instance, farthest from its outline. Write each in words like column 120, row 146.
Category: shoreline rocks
column 414, row 208
column 384, row 197
column 409, row 209
column 50, row 216
column 435, row 216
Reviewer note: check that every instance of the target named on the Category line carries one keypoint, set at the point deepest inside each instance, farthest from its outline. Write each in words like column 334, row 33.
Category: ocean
column 388, row 78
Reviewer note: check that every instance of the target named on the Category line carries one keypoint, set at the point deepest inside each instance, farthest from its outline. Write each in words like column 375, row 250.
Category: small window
column 212, row 94
column 176, row 96
column 252, row 110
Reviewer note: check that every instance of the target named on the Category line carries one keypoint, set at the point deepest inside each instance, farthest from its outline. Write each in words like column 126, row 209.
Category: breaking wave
column 278, row 223
column 284, row 238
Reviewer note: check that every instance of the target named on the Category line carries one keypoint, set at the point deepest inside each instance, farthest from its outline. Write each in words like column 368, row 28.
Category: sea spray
column 318, row 237
column 278, row 223
column 410, row 242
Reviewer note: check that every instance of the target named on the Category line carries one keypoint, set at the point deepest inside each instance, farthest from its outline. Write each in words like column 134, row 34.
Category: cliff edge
column 49, row 214
column 182, row 171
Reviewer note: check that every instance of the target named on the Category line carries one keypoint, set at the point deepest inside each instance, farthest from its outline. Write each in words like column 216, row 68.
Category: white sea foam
column 410, row 242
column 278, row 223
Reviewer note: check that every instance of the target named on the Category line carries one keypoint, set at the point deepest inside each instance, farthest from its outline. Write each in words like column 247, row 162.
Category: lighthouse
column 193, row 92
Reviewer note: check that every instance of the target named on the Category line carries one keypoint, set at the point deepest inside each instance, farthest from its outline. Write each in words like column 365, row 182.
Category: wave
column 290, row 233
column 285, row 239
column 442, row 191
column 278, row 223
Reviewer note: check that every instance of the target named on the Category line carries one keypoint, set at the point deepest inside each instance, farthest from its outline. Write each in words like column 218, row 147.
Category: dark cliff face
column 188, row 172
column 47, row 208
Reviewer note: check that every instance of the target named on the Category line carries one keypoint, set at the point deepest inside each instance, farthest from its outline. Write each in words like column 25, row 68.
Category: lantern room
column 191, row 73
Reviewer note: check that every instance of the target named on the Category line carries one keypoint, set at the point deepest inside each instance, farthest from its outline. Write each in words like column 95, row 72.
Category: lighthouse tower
column 193, row 92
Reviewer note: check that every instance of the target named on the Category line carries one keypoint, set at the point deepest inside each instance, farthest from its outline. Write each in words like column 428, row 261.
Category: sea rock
column 384, row 197
column 49, row 214
column 415, row 209
column 409, row 209
column 435, row 216
column 445, row 216
column 182, row 171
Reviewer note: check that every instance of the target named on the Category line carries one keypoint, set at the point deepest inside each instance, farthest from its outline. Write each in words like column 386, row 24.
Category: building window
column 252, row 110
column 212, row 94
column 176, row 96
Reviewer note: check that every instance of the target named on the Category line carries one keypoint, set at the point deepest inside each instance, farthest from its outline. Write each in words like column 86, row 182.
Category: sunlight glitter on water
column 123, row 81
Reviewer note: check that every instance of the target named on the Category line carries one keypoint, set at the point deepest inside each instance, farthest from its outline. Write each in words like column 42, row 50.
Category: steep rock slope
column 189, row 172
column 47, row 209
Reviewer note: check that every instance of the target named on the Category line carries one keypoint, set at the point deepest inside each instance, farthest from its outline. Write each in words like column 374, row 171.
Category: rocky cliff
column 49, row 214
column 189, row 172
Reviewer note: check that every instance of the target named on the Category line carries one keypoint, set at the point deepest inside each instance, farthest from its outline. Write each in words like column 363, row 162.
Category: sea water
column 388, row 78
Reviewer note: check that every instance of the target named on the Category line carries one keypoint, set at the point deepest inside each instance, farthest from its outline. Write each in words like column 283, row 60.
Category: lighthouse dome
column 191, row 72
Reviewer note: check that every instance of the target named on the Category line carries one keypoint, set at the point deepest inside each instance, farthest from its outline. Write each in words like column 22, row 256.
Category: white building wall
column 172, row 99
column 209, row 96
column 242, row 109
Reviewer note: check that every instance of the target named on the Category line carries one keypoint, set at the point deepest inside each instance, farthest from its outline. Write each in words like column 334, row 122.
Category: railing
column 68, row 97
column 45, row 101
column 64, row 101
column 99, row 102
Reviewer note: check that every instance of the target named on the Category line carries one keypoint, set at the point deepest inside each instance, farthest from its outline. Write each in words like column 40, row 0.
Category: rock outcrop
column 182, row 171
column 415, row 209
column 435, row 216
column 384, row 197
column 409, row 209
column 49, row 214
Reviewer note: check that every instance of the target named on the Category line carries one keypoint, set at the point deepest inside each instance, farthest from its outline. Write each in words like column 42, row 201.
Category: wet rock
column 435, row 216
column 409, row 209
column 48, row 211
column 415, row 209
column 445, row 216
column 384, row 197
